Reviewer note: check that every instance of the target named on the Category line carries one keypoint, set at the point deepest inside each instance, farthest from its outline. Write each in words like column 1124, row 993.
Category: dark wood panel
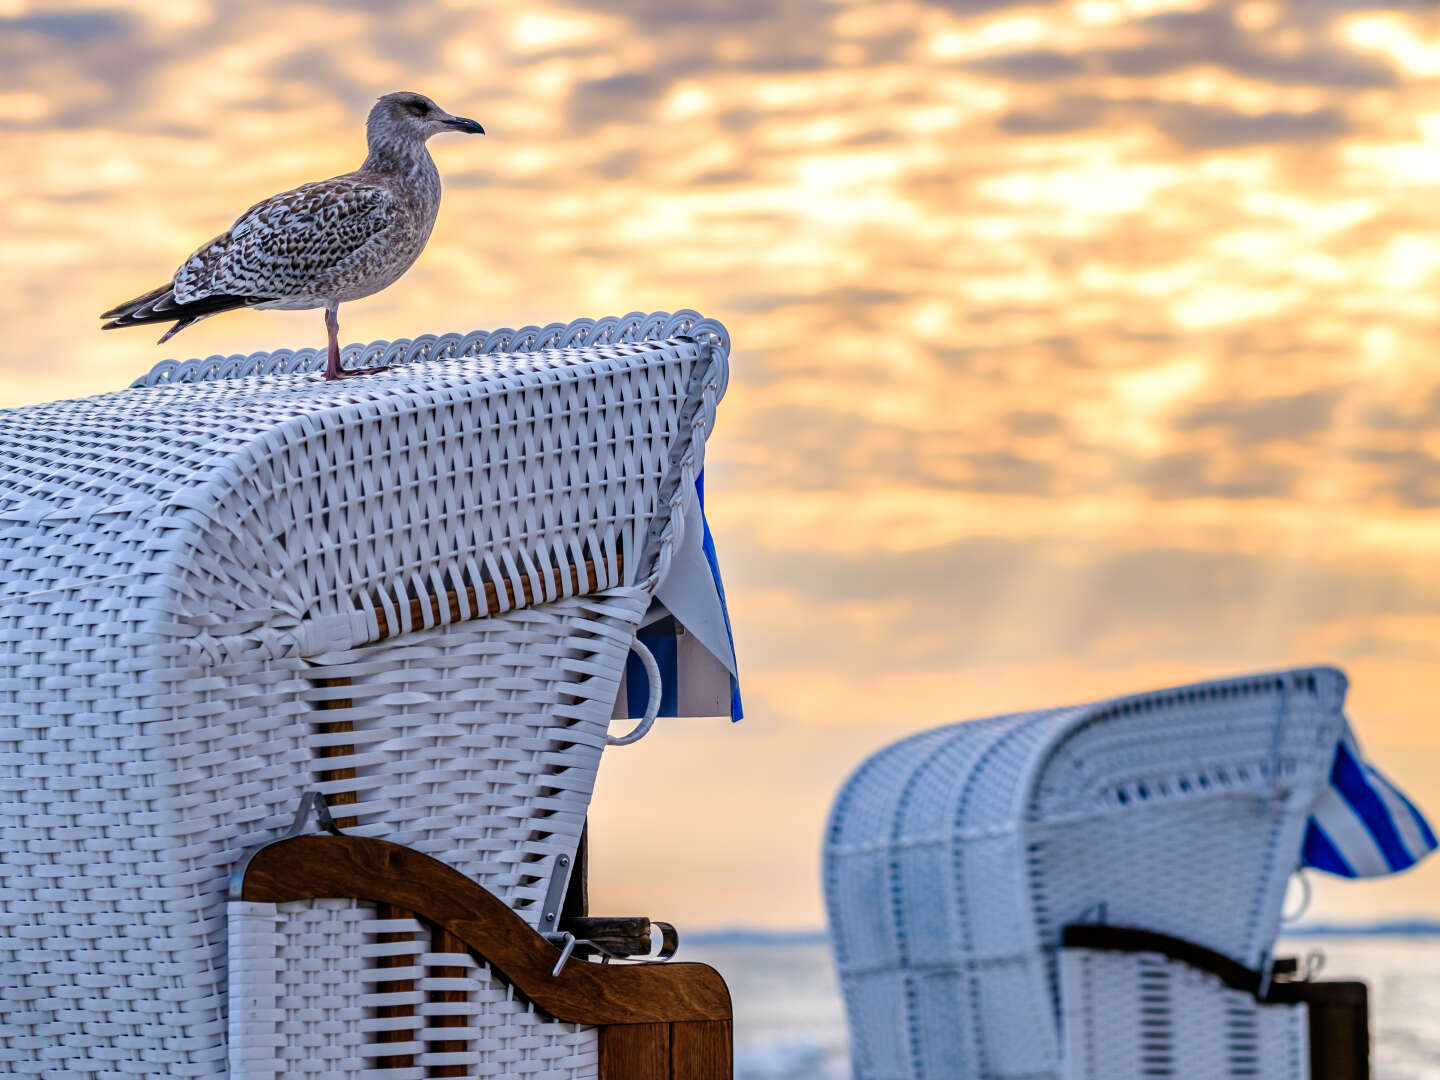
column 1339, row 1029
column 487, row 600
column 701, row 1050
column 320, row 866
column 635, row 1052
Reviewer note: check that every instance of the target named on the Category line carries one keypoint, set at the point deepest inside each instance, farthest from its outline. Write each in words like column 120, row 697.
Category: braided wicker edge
column 611, row 330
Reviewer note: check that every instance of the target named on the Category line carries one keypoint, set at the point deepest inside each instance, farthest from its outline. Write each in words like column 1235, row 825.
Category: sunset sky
column 1079, row 347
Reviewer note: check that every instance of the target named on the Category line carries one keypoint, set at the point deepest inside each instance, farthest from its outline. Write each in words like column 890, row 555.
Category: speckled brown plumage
column 321, row 244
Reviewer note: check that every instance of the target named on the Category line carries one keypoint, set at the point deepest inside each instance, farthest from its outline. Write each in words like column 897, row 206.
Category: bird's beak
column 459, row 123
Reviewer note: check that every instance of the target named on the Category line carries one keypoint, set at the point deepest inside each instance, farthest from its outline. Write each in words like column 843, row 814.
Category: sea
column 790, row 1023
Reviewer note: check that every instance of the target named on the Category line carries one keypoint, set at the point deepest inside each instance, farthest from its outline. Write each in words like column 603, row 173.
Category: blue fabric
column 737, row 710
column 1349, row 780
column 1320, row 853
column 1364, row 826
column 660, row 638
column 1420, row 822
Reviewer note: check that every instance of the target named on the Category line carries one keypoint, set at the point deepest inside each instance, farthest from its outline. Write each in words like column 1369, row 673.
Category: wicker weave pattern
column 293, row 500
column 187, row 568
column 954, row 858
column 1145, row 1015
column 506, row 1037
column 478, row 743
column 308, row 1010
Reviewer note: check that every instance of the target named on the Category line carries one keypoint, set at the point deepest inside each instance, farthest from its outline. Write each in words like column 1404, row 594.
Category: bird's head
column 407, row 115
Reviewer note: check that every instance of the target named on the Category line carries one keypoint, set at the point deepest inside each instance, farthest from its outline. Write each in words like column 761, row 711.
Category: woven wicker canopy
column 261, row 508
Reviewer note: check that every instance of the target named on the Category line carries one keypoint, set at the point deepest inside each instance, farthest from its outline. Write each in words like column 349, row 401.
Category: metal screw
column 564, row 860
column 549, row 916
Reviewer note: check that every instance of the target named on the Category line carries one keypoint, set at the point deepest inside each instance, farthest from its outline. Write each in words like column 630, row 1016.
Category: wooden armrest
column 350, row 867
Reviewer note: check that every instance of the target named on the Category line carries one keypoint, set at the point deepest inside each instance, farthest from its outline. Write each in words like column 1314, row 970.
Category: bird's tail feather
column 130, row 307
column 160, row 305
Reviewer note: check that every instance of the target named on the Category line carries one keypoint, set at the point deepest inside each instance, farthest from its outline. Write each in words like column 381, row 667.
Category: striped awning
column 1363, row 825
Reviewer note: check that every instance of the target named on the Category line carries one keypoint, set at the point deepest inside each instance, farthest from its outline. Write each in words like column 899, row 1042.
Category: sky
column 1080, row 347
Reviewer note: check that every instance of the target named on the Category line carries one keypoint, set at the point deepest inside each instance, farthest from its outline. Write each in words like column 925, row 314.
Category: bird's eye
column 417, row 108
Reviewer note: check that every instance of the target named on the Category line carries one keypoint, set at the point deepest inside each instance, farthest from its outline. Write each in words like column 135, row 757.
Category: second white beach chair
column 1094, row 892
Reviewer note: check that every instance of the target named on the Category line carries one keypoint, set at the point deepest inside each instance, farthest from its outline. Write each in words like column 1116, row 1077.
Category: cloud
column 71, row 27
column 1386, row 417
column 945, row 606
column 832, row 449
column 1030, row 65
column 1209, row 127
column 1176, row 41
column 1194, row 127
column 662, row 15
column 1060, row 117
column 87, row 67
column 851, row 298
column 321, row 72
column 1367, row 5
column 1409, row 476
column 975, row 7
column 617, row 98
column 1295, row 418
column 1194, row 474
column 1026, row 422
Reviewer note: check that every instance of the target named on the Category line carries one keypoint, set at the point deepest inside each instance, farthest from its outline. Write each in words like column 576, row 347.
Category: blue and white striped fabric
column 1364, row 826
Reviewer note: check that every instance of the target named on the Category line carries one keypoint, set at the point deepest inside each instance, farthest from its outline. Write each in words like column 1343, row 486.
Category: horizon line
column 1420, row 926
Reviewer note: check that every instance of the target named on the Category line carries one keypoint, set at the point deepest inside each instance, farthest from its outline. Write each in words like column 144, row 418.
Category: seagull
column 322, row 244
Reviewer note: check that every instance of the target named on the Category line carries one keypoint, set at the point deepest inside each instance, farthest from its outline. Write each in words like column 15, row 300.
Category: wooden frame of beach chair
column 655, row 1021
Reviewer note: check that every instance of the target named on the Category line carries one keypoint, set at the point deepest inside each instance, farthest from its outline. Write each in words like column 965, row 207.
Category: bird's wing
column 287, row 244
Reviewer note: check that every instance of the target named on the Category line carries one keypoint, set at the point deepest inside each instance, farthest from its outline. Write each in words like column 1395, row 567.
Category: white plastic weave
column 194, row 573
column 1139, row 1015
column 954, row 859
column 302, row 1007
column 478, row 742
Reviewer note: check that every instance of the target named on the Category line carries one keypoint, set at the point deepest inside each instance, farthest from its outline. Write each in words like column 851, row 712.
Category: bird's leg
column 333, row 370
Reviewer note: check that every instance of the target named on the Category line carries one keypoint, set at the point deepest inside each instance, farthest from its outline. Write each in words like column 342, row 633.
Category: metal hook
column 669, row 941
column 312, row 802
column 565, row 941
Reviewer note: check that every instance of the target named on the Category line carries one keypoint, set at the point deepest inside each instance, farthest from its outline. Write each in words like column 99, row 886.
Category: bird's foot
column 336, row 372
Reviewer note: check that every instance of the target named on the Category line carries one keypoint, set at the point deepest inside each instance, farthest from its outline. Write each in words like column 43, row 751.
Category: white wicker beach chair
column 959, row 861
column 414, row 593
